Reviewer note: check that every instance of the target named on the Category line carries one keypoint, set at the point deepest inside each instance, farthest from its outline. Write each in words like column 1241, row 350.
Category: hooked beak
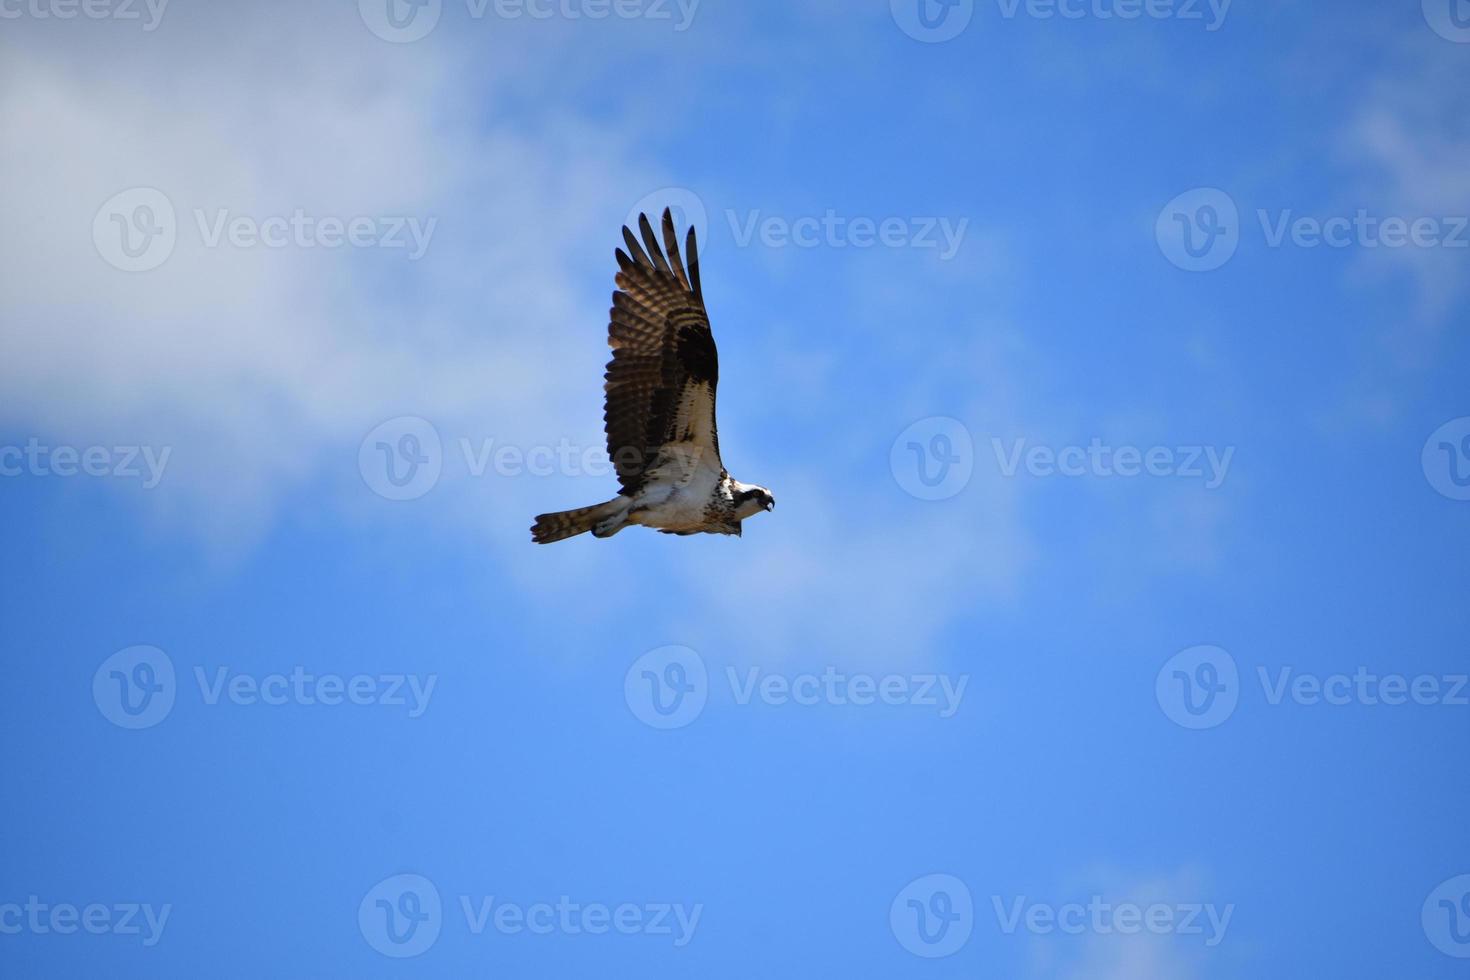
column 771, row 504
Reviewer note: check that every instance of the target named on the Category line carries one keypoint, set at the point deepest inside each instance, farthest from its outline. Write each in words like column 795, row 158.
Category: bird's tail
column 570, row 523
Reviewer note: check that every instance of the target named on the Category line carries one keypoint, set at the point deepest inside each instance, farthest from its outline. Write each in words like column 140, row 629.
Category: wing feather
column 661, row 381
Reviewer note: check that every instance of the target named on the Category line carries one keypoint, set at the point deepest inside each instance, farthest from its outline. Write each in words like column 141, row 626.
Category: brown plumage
column 662, row 348
column 660, row 404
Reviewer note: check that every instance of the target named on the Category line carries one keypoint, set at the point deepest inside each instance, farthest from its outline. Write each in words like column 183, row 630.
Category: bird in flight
column 660, row 415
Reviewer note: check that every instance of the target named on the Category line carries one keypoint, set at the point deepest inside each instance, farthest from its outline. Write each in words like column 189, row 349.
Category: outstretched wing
column 661, row 380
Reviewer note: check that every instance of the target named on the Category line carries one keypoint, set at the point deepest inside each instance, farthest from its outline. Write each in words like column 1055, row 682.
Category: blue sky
column 1108, row 372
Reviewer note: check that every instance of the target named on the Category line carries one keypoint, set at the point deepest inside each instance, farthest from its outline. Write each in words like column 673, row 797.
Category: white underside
column 675, row 495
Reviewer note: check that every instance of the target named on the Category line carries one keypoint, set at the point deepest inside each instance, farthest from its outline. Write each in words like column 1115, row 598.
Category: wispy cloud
column 263, row 366
column 1411, row 136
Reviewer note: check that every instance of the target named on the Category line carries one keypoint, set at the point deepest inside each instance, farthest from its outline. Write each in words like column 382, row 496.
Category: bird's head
column 751, row 499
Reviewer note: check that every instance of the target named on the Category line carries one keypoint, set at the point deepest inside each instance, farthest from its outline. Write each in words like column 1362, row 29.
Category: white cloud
column 1411, row 136
column 1144, row 955
column 261, row 366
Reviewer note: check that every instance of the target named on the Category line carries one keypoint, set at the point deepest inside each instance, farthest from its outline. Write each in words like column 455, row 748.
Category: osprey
column 660, row 415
